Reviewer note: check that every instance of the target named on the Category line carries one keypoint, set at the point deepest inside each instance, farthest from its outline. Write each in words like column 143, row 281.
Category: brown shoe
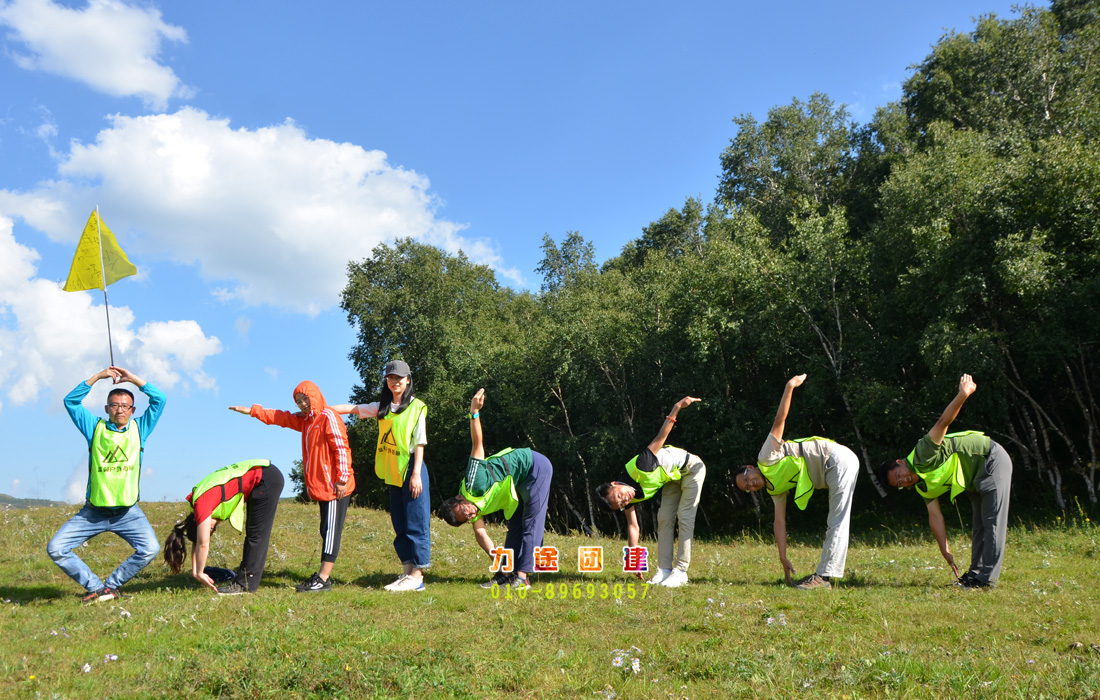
column 811, row 582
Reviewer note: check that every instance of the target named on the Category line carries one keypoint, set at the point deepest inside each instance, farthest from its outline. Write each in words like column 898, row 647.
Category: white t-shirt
column 370, row 410
column 815, row 452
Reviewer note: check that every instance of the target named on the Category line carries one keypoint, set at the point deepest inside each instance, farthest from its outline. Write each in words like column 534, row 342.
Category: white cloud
column 272, row 372
column 110, row 45
column 270, row 215
column 15, row 484
column 48, row 336
column 76, row 486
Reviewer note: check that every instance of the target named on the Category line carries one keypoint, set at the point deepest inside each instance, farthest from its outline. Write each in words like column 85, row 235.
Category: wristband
column 670, row 418
column 474, row 415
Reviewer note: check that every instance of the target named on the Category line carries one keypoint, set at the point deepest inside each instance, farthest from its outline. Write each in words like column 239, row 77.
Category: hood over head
column 316, row 399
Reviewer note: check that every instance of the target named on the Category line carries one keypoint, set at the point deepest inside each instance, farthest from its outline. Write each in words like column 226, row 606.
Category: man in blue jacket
column 115, row 448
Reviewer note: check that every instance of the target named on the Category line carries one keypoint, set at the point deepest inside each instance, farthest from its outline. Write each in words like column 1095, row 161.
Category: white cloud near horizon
column 47, row 335
column 269, row 215
column 111, row 46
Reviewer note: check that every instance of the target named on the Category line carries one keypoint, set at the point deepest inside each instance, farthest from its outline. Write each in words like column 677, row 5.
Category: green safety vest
column 114, row 466
column 790, row 472
column 231, row 482
column 395, row 432
column 501, row 495
column 949, row 475
column 651, row 482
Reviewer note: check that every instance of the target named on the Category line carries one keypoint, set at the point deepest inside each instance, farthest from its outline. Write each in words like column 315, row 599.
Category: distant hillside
column 7, row 501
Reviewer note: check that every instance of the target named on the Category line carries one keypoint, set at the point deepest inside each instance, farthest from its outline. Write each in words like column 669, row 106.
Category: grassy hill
column 893, row 628
column 7, row 501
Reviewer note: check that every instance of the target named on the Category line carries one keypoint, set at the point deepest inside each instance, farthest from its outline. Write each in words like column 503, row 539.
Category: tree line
column 957, row 231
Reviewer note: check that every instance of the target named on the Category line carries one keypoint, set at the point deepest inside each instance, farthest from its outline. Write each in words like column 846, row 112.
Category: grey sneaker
column 811, row 582
column 519, row 582
column 499, row 579
column 232, row 588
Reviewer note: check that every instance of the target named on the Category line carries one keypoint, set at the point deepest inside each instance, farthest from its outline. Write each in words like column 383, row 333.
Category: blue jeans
column 128, row 523
column 410, row 517
column 525, row 529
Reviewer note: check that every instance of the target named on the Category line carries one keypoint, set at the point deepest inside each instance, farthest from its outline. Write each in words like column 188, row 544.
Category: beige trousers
column 679, row 503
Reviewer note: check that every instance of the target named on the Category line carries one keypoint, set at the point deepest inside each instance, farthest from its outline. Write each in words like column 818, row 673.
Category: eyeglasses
column 121, row 406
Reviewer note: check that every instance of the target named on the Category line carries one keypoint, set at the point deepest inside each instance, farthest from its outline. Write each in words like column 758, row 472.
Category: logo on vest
column 116, row 455
column 387, row 445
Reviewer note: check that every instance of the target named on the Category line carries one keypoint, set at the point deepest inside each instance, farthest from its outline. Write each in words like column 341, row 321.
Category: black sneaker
column 219, row 574
column 232, row 588
column 973, row 584
column 91, row 597
column 315, row 584
column 500, row 579
column 965, row 581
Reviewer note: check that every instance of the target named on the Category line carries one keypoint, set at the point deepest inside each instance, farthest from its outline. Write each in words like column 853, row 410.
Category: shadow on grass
column 27, row 594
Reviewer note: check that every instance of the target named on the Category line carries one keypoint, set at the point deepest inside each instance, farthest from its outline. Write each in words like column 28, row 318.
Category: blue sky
column 243, row 152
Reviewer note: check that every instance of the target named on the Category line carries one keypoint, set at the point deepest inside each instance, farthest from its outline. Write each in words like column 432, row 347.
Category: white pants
column 840, row 474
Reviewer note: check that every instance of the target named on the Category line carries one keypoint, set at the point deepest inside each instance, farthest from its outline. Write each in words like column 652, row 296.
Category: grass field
column 892, row 629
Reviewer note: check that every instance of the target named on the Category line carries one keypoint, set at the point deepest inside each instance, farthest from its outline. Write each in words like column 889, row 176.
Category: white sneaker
column 662, row 574
column 408, row 583
column 676, row 579
column 399, row 579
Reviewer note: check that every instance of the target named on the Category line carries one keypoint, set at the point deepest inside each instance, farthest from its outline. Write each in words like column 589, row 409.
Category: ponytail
column 175, row 546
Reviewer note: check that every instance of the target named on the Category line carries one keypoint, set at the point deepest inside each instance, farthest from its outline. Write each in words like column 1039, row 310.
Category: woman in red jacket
column 326, row 463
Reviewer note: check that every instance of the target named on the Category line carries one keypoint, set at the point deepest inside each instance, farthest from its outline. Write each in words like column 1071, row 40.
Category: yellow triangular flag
column 85, row 272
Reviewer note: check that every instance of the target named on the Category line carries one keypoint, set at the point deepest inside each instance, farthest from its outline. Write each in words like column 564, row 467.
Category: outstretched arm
column 966, row 388
column 199, row 552
column 785, row 406
column 939, row 531
column 779, row 529
column 482, row 536
column 477, row 447
column 666, row 428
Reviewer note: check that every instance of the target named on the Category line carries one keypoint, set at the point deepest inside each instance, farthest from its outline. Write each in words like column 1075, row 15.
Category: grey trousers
column 989, row 498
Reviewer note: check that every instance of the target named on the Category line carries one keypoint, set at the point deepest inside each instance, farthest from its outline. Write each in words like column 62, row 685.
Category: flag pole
column 103, row 279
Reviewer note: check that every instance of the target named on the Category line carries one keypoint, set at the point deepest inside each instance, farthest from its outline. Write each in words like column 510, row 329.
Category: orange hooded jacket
column 325, row 452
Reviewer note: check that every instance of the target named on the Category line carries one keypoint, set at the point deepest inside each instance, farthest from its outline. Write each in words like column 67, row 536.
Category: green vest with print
column 500, row 496
column 114, row 466
column 651, row 482
column 395, row 432
column 790, row 472
column 235, row 507
column 949, row 475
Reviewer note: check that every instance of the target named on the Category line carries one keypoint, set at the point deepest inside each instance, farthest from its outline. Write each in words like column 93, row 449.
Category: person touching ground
column 678, row 476
column 503, row 482
column 802, row 465
column 246, row 494
column 954, row 463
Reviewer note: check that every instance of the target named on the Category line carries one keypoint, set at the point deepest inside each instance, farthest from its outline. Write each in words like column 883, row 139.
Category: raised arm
column 125, row 375
column 666, row 428
column 785, row 406
column 477, row 447
column 966, row 388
